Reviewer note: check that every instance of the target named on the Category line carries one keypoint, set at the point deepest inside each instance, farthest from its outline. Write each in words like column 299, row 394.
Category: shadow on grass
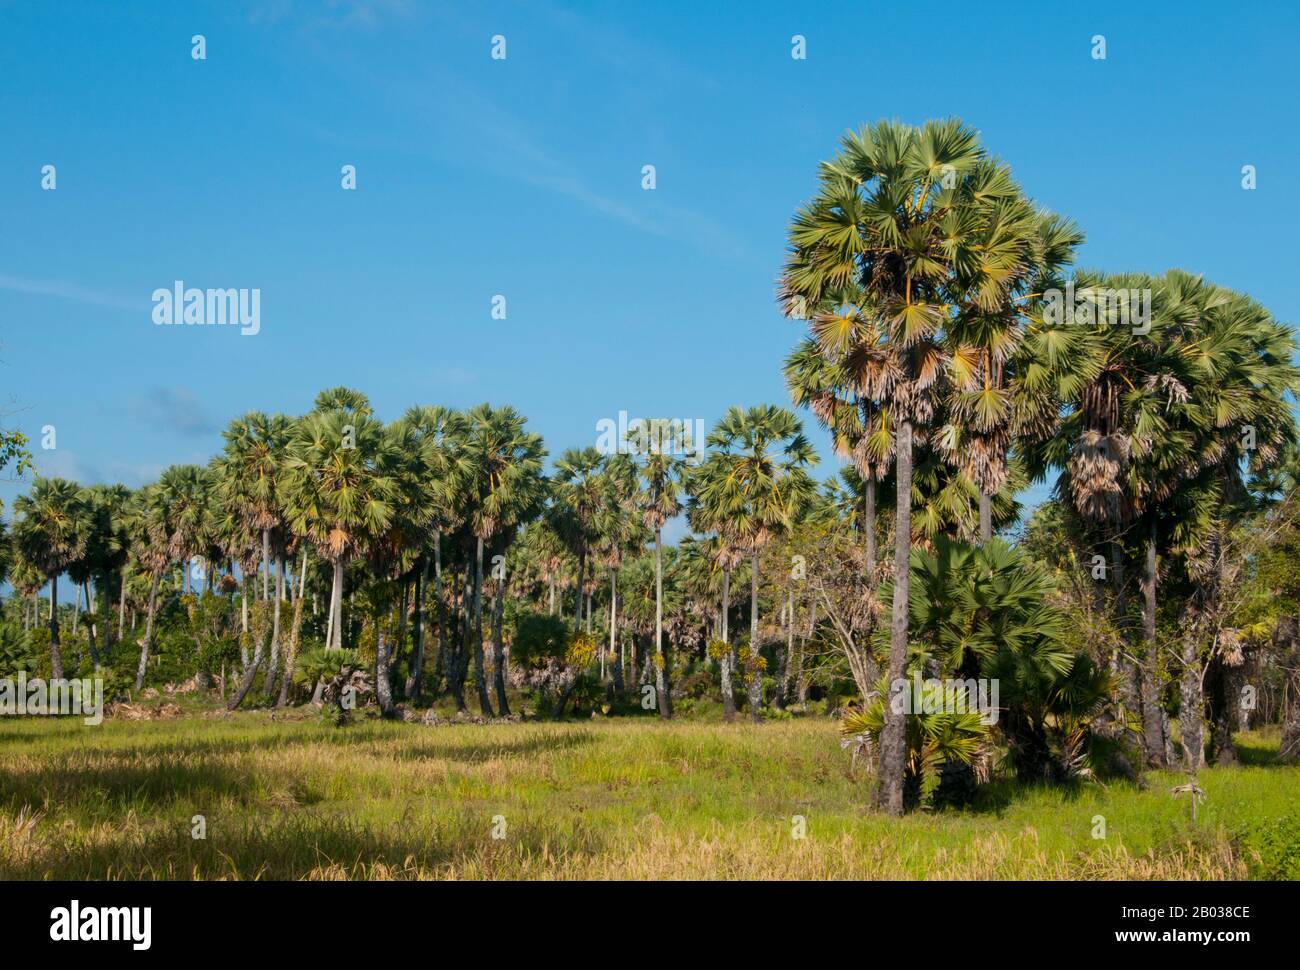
column 308, row 845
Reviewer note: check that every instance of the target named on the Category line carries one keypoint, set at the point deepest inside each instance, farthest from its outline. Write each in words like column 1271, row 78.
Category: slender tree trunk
column 441, row 668
column 986, row 517
column 661, row 677
column 266, row 564
column 416, row 673
column 334, row 636
column 76, row 608
column 476, row 634
column 56, row 657
column 121, row 609
column 291, row 658
column 383, row 688
column 90, row 624
column 1191, row 705
column 615, row 657
column 1151, row 704
column 498, row 648
column 273, row 666
column 755, row 673
column 728, row 695
column 869, row 528
column 577, row 590
column 148, row 629
column 783, row 684
column 893, row 737
column 551, row 609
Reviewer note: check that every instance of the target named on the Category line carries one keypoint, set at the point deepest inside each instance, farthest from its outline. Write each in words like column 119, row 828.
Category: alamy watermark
column 83, row 697
column 658, row 436
column 1095, row 306
column 212, row 307
column 935, row 696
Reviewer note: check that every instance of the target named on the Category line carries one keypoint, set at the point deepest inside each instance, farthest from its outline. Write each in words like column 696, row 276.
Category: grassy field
column 293, row 799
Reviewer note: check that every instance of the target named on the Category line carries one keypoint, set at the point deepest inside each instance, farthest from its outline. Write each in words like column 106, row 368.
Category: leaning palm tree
column 899, row 211
column 660, row 500
column 504, row 487
column 51, row 528
column 756, row 480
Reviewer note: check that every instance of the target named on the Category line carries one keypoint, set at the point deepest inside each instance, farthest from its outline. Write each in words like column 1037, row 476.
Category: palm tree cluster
column 937, row 360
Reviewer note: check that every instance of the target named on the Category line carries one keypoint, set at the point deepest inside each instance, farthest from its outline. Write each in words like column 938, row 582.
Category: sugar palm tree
column 51, row 528
column 504, row 487
column 577, row 489
column 618, row 531
column 151, row 545
column 247, row 476
column 660, row 500
column 433, row 438
column 756, row 480
column 339, row 483
column 723, row 550
column 898, row 213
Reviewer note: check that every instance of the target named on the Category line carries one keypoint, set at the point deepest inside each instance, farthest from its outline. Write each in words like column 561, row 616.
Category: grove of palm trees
column 1006, row 586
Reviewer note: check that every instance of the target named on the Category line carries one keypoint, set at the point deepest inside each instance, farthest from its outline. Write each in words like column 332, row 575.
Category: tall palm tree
column 618, row 532
column 340, row 487
column 660, row 500
column 51, row 528
column 725, row 551
column 247, row 475
column 756, row 479
column 577, row 500
column 898, row 212
column 504, row 487
column 151, row 545
column 433, row 440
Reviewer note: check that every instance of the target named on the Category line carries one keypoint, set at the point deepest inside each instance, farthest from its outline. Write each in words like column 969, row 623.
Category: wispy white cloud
column 68, row 291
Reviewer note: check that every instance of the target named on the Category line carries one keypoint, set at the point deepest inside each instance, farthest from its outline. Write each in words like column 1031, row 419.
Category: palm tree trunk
column 274, row 666
column 334, row 635
column 76, row 608
column 551, row 610
column 292, row 656
column 383, row 687
column 869, row 527
column 56, row 659
column 266, row 564
column 986, row 517
column 783, row 684
column 893, row 736
column 455, row 669
column 1191, row 704
column 728, row 696
column 756, row 673
column 121, row 610
column 90, row 625
column 148, row 630
column 476, row 634
column 498, row 649
column 577, row 590
column 661, row 677
column 441, row 668
column 615, row 658
column 1152, row 727
column 416, row 673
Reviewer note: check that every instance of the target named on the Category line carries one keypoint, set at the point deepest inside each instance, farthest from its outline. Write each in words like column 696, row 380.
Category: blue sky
column 522, row 177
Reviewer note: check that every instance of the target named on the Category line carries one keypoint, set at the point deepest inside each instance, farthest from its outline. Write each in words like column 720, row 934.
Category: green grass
column 616, row 798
